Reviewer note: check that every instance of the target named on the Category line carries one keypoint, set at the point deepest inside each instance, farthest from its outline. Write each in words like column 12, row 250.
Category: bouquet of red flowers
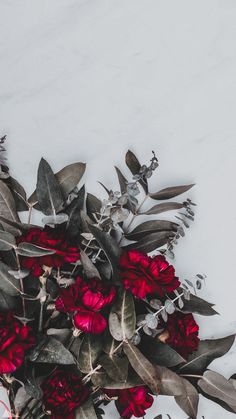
column 91, row 309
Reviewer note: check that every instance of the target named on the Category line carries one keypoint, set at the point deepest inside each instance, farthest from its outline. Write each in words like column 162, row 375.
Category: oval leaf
column 170, row 192
column 160, row 353
column 122, row 319
column 198, row 305
column 89, row 351
column 52, row 352
column 134, row 166
column 86, row 411
column 69, row 177
column 7, row 241
column 8, row 283
column 143, row 367
column 115, row 367
column 149, row 227
column 189, row 402
column 89, row 268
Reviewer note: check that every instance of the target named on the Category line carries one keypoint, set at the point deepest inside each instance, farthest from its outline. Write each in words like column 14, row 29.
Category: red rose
column 63, row 392
column 87, row 299
column 131, row 401
column 144, row 275
column 48, row 239
column 15, row 339
column 182, row 333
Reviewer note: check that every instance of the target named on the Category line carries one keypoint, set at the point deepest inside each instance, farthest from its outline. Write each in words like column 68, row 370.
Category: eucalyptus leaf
column 218, row 387
column 101, row 379
column 74, row 224
column 86, row 411
column 122, row 181
column 122, row 318
column 90, row 350
column 207, row 351
column 115, row 366
column 31, row 250
column 151, row 242
column 167, row 206
column 7, row 241
column 160, row 353
column 69, row 177
column 48, row 190
column 149, row 227
column 52, row 220
column 109, row 246
column 18, row 193
column 134, row 166
column 93, row 205
column 189, row 402
column 89, row 268
column 143, row 367
column 52, row 352
column 8, row 283
column 170, row 192
column 7, row 302
column 8, row 209
column 198, row 305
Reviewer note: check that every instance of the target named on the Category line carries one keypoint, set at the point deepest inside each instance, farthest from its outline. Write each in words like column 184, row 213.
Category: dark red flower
column 182, row 333
column 87, row 299
column 144, row 275
column 15, row 339
column 48, row 239
column 131, row 401
column 63, row 392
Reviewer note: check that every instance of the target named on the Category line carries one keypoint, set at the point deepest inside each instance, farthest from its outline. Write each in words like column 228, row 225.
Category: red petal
column 90, row 322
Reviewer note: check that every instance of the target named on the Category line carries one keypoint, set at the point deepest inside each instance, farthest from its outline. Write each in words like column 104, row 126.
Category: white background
column 86, row 80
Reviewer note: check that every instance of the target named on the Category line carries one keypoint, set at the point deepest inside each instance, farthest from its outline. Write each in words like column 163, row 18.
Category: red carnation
column 63, row 392
column 87, row 299
column 49, row 239
column 182, row 333
column 144, row 275
column 15, row 339
column 131, row 401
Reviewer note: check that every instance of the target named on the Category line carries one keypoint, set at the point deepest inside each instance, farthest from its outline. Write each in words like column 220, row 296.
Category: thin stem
column 21, row 283
column 134, row 216
column 87, row 377
column 191, row 376
column 30, row 213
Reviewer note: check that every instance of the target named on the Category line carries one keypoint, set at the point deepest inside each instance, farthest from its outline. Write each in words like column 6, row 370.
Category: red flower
column 182, row 333
column 48, row 239
column 87, row 299
column 144, row 275
column 15, row 339
column 63, row 392
column 131, row 401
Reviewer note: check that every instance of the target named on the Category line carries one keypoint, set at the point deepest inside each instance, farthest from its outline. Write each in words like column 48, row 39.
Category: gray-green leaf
column 7, row 240
column 167, row 206
column 52, row 352
column 48, row 190
column 122, row 319
column 8, row 209
column 90, row 350
column 218, row 387
column 31, row 250
column 170, row 192
column 8, row 283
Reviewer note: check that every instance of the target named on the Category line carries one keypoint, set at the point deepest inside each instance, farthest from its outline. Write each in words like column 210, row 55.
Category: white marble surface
column 85, row 80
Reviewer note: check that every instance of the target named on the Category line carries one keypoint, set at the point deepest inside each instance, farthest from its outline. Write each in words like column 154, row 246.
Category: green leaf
column 7, row 302
column 69, row 177
column 7, row 241
column 18, row 193
column 143, row 367
column 167, row 206
column 218, row 387
column 90, row 350
column 86, row 411
column 8, row 209
column 122, row 319
column 151, row 242
column 52, row 352
column 93, row 205
column 122, row 181
column 207, row 351
column 198, row 305
column 48, row 190
column 109, row 246
column 74, row 224
column 160, row 353
column 149, row 227
column 189, row 402
column 170, row 192
column 31, row 250
column 134, row 166
column 115, row 366
column 89, row 268
column 8, row 283
column 101, row 379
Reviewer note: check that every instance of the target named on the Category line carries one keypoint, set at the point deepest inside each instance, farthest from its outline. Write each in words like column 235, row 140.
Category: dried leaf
column 218, row 387
column 48, row 191
column 159, row 208
column 89, row 352
column 189, row 402
column 52, row 352
column 7, row 241
column 134, row 166
column 198, row 305
column 151, row 242
column 8, row 209
column 86, row 411
column 18, row 193
column 8, row 283
column 69, row 177
column 160, row 353
column 148, row 227
column 89, row 268
column 115, row 366
column 31, row 250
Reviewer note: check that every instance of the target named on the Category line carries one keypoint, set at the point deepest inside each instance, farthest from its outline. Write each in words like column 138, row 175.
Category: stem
column 87, row 377
column 134, row 216
column 30, row 213
column 191, row 375
column 21, row 283
column 41, row 317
